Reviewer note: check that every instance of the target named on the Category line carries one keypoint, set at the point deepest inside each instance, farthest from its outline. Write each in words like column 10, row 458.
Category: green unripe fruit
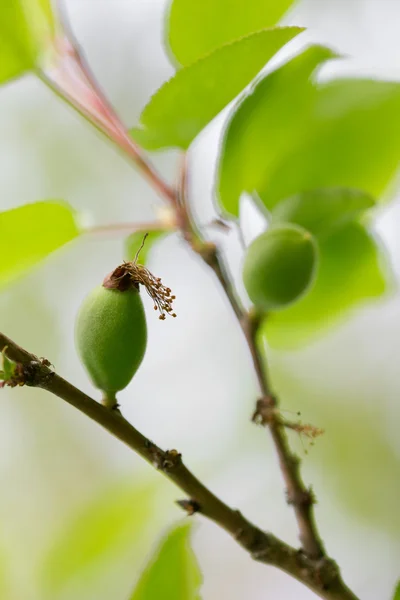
column 111, row 336
column 279, row 266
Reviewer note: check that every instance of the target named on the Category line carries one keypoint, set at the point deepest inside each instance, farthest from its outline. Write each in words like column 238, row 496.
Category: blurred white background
column 195, row 390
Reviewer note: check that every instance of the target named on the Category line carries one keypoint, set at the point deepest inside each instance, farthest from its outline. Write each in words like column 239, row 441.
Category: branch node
column 265, row 412
column 238, row 534
column 262, row 555
column 170, row 460
column 324, row 573
column 207, row 251
column 156, row 455
column 303, row 498
column 164, row 461
column 191, row 506
column 33, row 373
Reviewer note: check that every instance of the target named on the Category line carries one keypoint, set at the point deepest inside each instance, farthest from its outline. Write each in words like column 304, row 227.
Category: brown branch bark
column 321, row 575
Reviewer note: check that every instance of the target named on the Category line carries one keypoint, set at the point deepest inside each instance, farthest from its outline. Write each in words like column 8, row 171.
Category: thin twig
column 120, row 137
column 321, row 575
column 123, row 228
column 298, row 495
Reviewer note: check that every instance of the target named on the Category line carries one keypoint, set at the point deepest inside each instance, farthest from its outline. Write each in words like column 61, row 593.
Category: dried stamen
column 131, row 274
column 158, row 292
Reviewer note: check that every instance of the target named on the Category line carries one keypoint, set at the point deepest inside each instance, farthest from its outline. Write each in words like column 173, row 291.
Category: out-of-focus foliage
column 184, row 105
column 323, row 211
column 28, row 234
column 26, row 29
column 397, row 592
column 266, row 125
column 195, row 29
column 4, row 575
column 173, row 572
column 114, row 521
column 341, row 133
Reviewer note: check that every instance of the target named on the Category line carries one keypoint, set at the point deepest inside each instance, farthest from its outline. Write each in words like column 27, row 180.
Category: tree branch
column 321, row 575
column 127, row 228
column 298, row 495
column 74, row 83
column 87, row 99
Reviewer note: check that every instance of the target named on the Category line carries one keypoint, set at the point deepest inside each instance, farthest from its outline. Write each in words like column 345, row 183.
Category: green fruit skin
column 111, row 337
column 279, row 266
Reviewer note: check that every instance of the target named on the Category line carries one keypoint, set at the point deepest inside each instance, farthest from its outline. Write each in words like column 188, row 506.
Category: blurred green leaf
column 173, row 572
column 8, row 365
column 353, row 140
column 30, row 232
column 195, row 29
column 134, row 241
column 322, row 211
column 6, row 587
column 184, row 105
column 26, row 28
column 112, row 522
column 352, row 270
column 355, row 451
column 266, row 125
column 344, row 133
column 397, row 592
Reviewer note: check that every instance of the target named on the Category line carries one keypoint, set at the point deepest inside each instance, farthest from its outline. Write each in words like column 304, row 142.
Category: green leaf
column 323, row 211
column 9, row 366
column 173, row 572
column 134, row 241
column 397, row 592
column 112, row 522
column 266, row 125
column 184, row 105
column 345, row 133
column 197, row 28
column 26, row 30
column 30, row 232
column 352, row 271
column 353, row 140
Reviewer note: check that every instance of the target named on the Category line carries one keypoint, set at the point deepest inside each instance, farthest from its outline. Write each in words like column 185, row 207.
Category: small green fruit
column 279, row 266
column 111, row 336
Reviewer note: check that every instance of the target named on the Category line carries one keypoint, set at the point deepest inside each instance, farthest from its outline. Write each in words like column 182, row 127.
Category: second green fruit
column 279, row 266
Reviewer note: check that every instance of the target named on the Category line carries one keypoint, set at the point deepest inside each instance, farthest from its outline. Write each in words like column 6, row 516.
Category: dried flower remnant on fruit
column 131, row 275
